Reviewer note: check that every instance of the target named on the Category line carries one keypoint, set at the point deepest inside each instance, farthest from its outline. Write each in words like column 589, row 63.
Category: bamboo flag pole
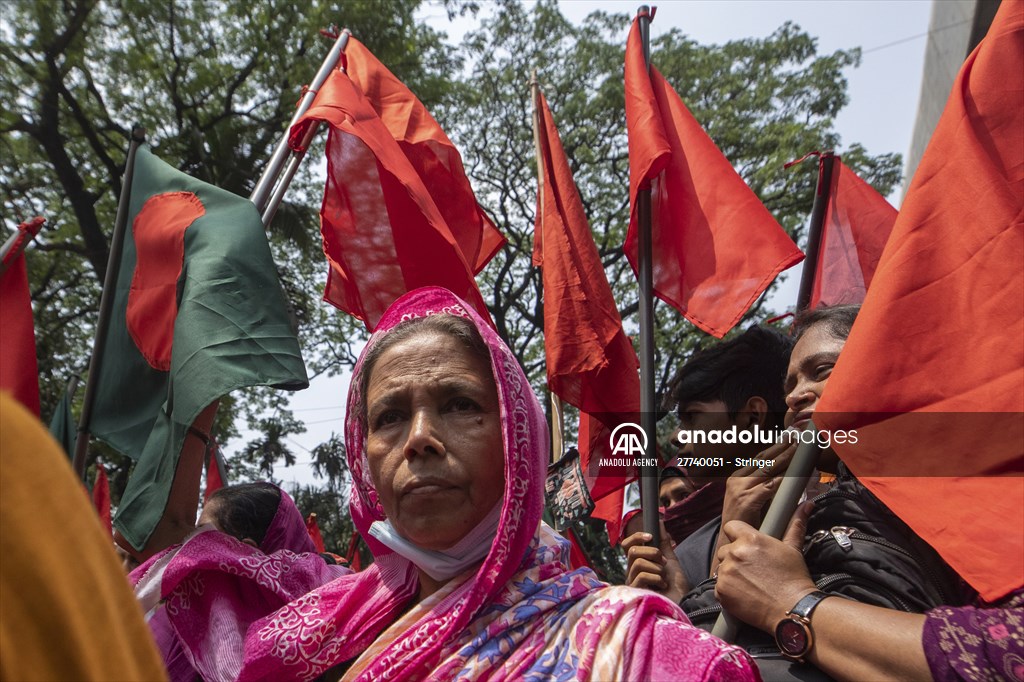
column 107, row 301
column 821, row 198
column 269, row 192
column 648, row 473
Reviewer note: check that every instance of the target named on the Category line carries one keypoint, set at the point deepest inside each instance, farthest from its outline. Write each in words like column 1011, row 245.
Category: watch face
column 791, row 636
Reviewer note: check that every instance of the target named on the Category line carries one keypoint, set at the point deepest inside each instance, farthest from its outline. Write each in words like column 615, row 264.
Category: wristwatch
column 793, row 634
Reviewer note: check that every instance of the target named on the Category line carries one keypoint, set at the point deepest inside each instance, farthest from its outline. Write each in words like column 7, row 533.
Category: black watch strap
column 805, row 607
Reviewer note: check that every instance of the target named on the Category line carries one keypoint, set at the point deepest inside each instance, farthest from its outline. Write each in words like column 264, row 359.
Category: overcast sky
column 883, row 93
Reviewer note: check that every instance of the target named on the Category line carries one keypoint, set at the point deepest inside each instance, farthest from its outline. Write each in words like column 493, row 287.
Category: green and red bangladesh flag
column 198, row 312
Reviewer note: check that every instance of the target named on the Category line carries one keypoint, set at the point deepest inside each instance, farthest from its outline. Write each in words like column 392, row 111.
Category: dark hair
column 671, row 472
column 752, row 364
column 458, row 328
column 838, row 320
column 245, row 510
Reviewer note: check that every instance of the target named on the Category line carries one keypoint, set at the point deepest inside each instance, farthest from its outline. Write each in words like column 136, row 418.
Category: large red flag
column 383, row 233
column 932, row 376
column 591, row 363
column 716, row 247
column 19, row 372
column 858, row 221
column 430, row 152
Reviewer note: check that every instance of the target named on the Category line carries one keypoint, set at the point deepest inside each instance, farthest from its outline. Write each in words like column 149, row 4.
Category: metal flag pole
column 648, row 419
column 261, row 194
column 107, row 301
column 821, row 198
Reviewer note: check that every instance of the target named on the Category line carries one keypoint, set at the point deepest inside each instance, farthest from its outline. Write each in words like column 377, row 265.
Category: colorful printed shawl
column 522, row 614
column 200, row 596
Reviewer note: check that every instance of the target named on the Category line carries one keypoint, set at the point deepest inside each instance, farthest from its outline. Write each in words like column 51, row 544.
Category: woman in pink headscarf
column 250, row 553
column 447, row 446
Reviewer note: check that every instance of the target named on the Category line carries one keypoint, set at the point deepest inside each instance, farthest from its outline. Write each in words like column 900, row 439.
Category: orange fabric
column 101, row 496
column 383, row 234
column 716, row 247
column 858, row 222
column 430, row 152
column 19, row 372
column 939, row 339
column 60, row 618
column 591, row 363
column 159, row 233
column 313, row 528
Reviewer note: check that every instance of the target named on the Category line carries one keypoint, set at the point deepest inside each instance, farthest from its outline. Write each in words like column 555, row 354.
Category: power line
column 913, row 37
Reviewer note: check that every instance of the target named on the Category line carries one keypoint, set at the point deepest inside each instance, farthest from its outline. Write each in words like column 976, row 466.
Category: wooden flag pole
column 648, row 419
column 265, row 197
column 107, row 301
column 821, row 198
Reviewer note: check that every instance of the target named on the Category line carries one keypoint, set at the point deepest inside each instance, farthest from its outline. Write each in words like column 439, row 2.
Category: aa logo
column 628, row 440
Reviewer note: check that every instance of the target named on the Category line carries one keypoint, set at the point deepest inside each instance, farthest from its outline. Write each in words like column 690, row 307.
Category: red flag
column 858, row 221
column 716, row 247
column 590, row 361
column 430, row 152
column 609, row 509
column 383, row 233
column 937, row 347
column 313, row 528
column 215, row 473
column 19, row 372
column 577, row 557
column 101, row 496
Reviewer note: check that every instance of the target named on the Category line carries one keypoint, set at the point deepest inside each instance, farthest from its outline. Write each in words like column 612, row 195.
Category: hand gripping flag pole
column 648, row 417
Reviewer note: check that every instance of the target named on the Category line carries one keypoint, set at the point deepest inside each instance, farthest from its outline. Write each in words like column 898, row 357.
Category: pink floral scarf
column 521, row 614
column 201, row 595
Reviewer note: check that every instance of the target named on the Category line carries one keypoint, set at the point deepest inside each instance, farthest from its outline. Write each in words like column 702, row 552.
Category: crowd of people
column 448, row 449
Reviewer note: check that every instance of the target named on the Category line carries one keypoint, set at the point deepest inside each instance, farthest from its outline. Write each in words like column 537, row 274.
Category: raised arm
column 179, row 517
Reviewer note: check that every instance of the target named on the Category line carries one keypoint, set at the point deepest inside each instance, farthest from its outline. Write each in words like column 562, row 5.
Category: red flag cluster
column 398, row 210
column 932, row 376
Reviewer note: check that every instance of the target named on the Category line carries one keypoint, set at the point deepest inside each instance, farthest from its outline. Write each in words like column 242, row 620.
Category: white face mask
column 446, row 564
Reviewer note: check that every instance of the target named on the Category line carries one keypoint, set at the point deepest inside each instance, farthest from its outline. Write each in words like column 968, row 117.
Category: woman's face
column 434, row 439
column 810, row 366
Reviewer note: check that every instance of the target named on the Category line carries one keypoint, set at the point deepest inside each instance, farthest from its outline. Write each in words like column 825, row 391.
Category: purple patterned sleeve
column 975, row 644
